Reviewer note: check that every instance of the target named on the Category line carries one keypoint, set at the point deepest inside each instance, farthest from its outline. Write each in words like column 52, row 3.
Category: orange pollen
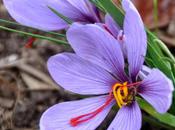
column 112, row 95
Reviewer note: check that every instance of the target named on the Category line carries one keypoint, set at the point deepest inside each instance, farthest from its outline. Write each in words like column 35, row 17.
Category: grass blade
column 14, row 23
column 35, row 35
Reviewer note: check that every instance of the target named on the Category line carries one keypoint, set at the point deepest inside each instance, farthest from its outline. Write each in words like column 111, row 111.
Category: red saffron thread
column 83, row 118
column 133, row 84
column 30, row 42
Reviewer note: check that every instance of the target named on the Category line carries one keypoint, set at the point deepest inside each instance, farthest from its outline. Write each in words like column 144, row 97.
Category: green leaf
column 165, row 49
column 16, row 24
column 158, row 61
column 172, row 63
column 35, row 35
column 166, row 118
column 97, row 4
column 153, row 122
column 114, row 11
column 149, row 61
column 66, row 19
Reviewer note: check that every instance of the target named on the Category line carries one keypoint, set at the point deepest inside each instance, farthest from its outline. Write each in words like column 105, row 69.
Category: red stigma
column 134, row 84
column 30, row 42
column 86, row 117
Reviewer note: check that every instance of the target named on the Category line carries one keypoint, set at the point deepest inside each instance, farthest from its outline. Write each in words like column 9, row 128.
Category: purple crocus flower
column 98, row 68
column 36, row 13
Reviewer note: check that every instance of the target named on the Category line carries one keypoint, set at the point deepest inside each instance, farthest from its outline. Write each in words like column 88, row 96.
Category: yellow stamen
column 114, row 88
column 125, row 90
column 118, row 95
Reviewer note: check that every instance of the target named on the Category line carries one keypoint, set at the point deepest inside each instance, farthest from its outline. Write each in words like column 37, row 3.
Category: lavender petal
column 96, row 45
column 135, row 38
column 78, row 75
column 112, row 25
column 157, row 89
column 58, row 116
column 127, row 118
column 35, row 13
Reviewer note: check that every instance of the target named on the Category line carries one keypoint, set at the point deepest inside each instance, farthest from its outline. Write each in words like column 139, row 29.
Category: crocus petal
column 135, row 38
column 35, row 13
column 93, row 43
column 58, row 117
column 112, row 26
column 144, row 72
column 78, row 75
column 114, row 29
column 127, row 118
column 88, row 10
column 157, row 89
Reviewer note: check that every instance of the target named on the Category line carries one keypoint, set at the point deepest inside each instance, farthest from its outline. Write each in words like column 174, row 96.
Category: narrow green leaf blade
column 35, row 35
column 166, row 118
column 66, row 19
column 113, row 10
column 16, row 24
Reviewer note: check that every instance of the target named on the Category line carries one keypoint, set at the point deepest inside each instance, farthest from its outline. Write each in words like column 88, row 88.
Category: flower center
column 120, row 92
column 124, row 94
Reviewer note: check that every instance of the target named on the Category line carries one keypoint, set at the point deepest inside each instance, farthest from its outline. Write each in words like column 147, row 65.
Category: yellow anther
column 118, row 101
column 125, row 90
column 125, row 83
column 114, row 89
column 120, row 92
column 120, row 97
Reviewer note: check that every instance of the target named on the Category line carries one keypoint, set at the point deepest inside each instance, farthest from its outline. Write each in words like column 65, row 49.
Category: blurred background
column 26, row 89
